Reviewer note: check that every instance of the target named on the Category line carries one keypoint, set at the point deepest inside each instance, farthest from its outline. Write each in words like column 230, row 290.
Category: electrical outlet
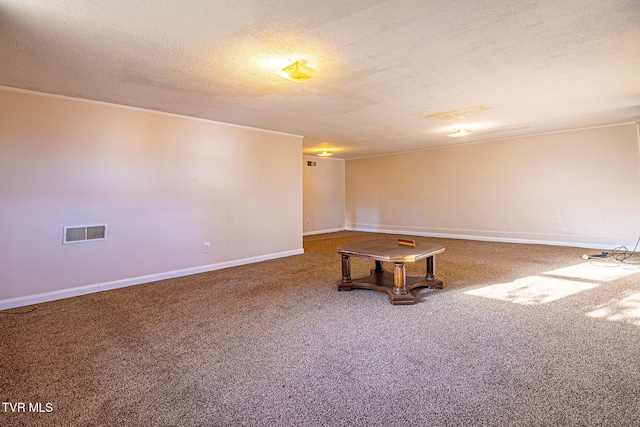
column 206, row 247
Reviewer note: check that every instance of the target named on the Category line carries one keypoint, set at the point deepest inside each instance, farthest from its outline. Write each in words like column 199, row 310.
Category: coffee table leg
column 399, row 279
column 434, row 282
column 346, row 269
column 431, row 268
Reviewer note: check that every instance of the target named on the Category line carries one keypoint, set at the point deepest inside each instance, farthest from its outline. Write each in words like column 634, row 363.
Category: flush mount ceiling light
column 325, row 154
column 459, row 132
column 297, row 72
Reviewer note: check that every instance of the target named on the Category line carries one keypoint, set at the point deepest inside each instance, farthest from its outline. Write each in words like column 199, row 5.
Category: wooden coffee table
column 397, row 285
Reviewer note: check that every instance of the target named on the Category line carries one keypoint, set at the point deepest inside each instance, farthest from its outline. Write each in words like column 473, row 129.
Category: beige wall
column 164, row 185
column 323, row 195
column 577, row 188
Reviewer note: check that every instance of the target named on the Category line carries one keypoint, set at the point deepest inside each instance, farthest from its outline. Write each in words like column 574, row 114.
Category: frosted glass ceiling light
column 297, row 72
column 459, row 132
column 325, row 154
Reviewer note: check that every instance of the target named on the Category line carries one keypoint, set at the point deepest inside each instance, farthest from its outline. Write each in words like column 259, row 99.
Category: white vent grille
column 84, row 233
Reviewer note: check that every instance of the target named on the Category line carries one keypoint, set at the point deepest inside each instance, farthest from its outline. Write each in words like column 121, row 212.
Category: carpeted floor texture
column 521, row 335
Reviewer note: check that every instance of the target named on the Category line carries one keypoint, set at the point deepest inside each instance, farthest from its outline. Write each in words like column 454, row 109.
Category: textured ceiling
column 395, row 75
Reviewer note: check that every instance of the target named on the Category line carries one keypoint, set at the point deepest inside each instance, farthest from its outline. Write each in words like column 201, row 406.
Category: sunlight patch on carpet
column 594, row 271
column 533, row 290
column 620, row 310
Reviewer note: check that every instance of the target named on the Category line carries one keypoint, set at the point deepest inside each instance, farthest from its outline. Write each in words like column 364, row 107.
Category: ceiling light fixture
column 325, row 154
column 297, row 72
column 459, row 132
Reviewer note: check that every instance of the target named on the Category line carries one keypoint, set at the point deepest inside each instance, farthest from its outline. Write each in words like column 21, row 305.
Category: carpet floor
column 521, row 335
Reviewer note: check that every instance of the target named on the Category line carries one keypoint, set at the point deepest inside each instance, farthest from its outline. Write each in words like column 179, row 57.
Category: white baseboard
column 331, row 230
column 461, row 234
column 98, row 287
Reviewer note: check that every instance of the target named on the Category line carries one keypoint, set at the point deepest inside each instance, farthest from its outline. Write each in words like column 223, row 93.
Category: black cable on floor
column 18, row 312
column 621, row 253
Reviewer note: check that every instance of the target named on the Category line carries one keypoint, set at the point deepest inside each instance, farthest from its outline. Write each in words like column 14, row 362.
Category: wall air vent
column 84, row 233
